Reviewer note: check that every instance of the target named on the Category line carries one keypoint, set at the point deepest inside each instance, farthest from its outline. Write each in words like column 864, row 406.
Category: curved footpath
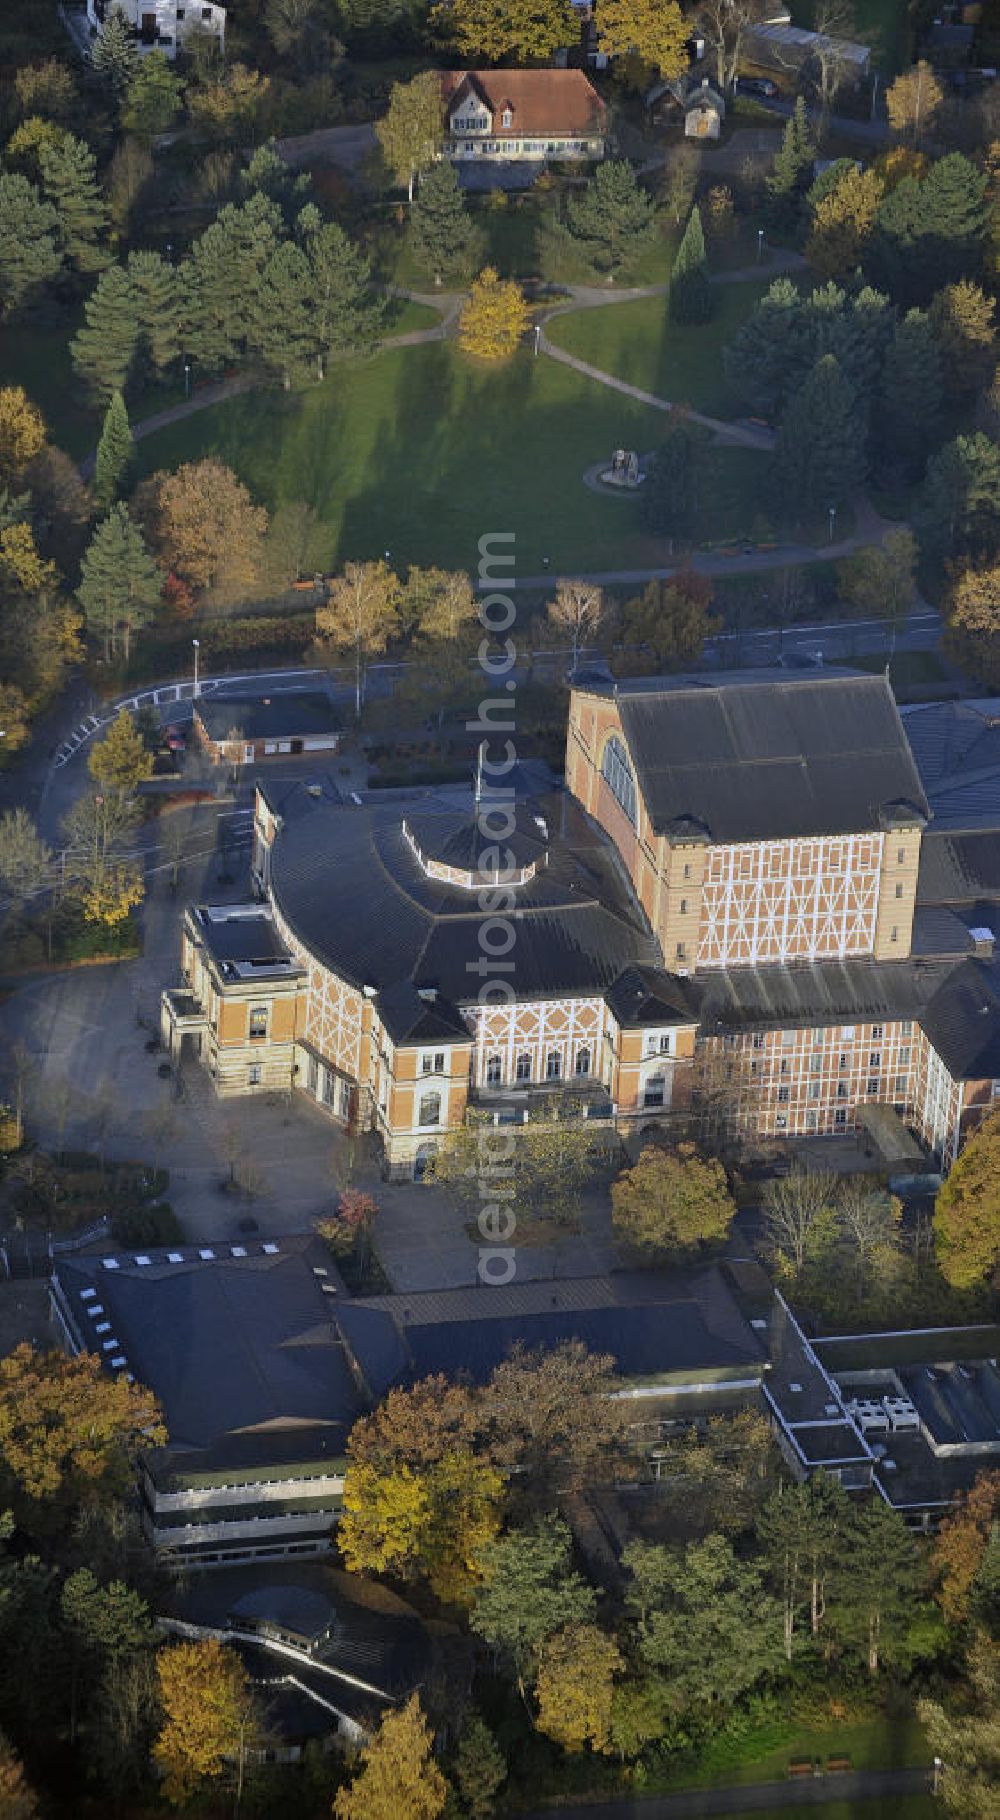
column 856, row 1787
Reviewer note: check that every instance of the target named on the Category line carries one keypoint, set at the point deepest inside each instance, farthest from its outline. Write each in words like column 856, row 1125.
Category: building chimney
column 983, row 941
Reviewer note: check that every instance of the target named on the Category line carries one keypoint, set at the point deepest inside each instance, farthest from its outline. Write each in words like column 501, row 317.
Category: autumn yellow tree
column 962, row 318
column 843, row 222
column 961, row 1543
column 14, row 715
column 120, row 762
column 913, row 102
column 440, row 604
column 898, row 162
column 21, row 563
column 204, row 526
column 973, row 635
column 22, row 432
column 672, row 1201
column 412, row 129
column 967, row 1210
column 361, row 614
column 435, row 1523
column 228, row 108
column 398, row 1778
column 577, row 609
column 494, row 317
column 210, row 1719
column 654, row 30
column 576, row 1672
column 69, row 1431
column 490, row 30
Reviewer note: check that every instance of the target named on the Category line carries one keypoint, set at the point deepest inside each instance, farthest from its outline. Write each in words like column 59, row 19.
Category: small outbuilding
column 704, row 111
column 245, row 728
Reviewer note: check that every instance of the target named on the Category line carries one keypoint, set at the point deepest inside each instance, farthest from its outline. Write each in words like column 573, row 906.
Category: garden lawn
column 637, row 342
column 422, row 452
column 37, row 357
column 883, row 1807
column 764, row 1755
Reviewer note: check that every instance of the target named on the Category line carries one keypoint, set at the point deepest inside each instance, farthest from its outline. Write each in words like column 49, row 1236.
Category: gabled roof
column 646, row 995
column 769, row 757
column 541, row 101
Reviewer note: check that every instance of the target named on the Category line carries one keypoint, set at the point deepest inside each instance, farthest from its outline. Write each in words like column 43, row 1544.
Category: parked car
column 757, row 85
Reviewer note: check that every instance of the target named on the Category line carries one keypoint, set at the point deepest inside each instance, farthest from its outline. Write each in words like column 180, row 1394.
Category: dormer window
column 506, row 119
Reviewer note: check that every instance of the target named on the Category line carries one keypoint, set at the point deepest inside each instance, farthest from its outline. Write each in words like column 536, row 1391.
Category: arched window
column 430, row 1109
column 618, row 775
column 523, row 1070
column 583, row 1061
column 494, row 1070
column 553, row 1065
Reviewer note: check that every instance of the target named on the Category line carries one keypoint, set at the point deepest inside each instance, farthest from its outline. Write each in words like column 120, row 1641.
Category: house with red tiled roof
column 522, row 114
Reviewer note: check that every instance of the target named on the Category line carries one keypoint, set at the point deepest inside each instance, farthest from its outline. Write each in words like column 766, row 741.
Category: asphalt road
column 689, row 1804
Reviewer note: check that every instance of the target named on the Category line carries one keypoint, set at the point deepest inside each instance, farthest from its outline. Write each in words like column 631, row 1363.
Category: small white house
column 160, row 25
column 704, row 111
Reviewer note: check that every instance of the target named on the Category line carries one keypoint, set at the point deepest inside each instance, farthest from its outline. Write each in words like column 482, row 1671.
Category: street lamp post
column 538, row 338
column 760, row 245
column 196, row 642
column 938, row 1767
column 833, row 521
column 187, row 378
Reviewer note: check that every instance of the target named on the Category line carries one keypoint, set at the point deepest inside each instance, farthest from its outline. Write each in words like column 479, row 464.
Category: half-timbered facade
column 738, row 870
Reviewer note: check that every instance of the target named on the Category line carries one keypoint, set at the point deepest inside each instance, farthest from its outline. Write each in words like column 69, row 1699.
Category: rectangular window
column 841, row 1090
column 816, row 1065
column 904, row 1057
column 840, row 1116
column 815, row 1091
column 681, row 951
column 327, row 1087
column 846, row 1030
column 757, row 1041
column 258, row 1020
column 432, row 1064
column 253, row 1075
column 522, row 1071
column 899, row 1086
column 784, row 1068
column 873, row 1088
column 899, row 890
column 781, row 1121
column 788, row 1039
column 664, row 1045
column 687, row 873
column 842, row 1064
column 784, row 1095
column 553, row 1065
column 876, row 1033
column 312, row 1074
column 345, row 1100
column 906, row 1029
column 901, row 856
column 875, row 1059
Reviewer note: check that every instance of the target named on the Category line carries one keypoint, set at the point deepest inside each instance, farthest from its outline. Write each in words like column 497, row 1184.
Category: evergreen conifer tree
column 30, row 253
column 114, row 55
column 103, row 350
column 791, row 173
column 911, row 393
column 69, row 182
column 157, row 297
column 757, row 359
column 959, row 509
column 153, row 98
column 119, row 582
column 114, row 454
column 690, row 287
column 820, row 457
column 223, row 279
column 447, row 244
column 612, row 221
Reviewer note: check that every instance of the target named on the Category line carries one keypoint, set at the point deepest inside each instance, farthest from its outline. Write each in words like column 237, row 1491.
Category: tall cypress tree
column 911, row 393
column 690, row 288
column 791, row 173
column 114, row 56
column 820, row 457
column 69, row 181
column 103, row 350
column 114, row 454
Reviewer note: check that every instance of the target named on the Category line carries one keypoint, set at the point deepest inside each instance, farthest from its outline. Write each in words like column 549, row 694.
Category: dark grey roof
column 647, row 995
column 770, row 757
column 243, row 940
column 957, row 748
column 825, row 992
column 939, row 930
column 462, row 840
column 347, row 882
column 962, row 1021
column 288, row 714
column 240, row 1350
column 654, row 1324
column 959, row 868
column 410, row 1017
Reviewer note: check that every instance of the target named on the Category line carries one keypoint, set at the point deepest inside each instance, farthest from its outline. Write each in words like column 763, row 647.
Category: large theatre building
column 770, row 876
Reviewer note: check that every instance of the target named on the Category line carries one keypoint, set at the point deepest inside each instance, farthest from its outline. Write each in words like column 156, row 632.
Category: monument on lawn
column 624, row 470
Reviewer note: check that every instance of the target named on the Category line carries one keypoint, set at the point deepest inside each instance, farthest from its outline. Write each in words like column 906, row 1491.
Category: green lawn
column 423, row 452
column 906, row 668
column 637, row 342
column 37, row 357
column 764, row 1756
column 403, row 316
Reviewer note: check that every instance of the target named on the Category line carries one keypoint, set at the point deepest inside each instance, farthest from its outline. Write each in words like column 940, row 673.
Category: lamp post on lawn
column 760, row 245
column 187, row 378
column 196, row 642
column 538, row 338
column 833, row 521
column 938, row 1767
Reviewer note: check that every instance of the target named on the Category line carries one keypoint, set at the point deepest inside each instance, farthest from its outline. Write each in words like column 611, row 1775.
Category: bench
column 838, row 1766
column 801, row 1766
